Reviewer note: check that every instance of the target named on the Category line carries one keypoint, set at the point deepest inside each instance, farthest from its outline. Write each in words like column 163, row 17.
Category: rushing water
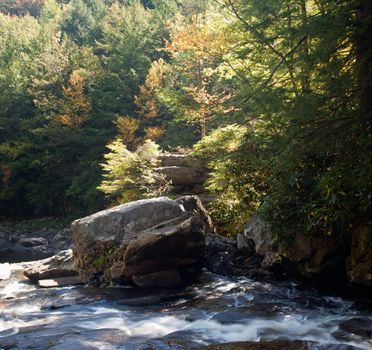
column 213, row 310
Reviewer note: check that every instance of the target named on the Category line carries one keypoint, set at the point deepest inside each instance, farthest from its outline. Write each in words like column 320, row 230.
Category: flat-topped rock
column 136, row 241
column 60, row 265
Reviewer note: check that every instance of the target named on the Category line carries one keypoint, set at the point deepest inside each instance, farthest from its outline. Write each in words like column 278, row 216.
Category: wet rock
column 239, row 314
column 245, row 244
column 59, row 282
column 220, row 254
column 180, row 340
column 158, row 279
column 91, row 340
column 358, row 326
column 265, row 345
column 216, row 243
column 359, row 264
column 33, row 241
column 60, row 265
column 138, row 239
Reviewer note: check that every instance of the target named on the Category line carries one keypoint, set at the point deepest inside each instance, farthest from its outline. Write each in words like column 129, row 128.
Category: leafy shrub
column 130, row 175
column 229, row 177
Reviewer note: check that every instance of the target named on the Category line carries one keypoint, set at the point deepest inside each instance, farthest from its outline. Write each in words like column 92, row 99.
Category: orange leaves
column 154, row 133
column 198, row 37
column 7, row 173
column 147, row 108
column 198, row 47
column 74, row 107
column 128, row 132
column 146, row 102
column 127, row 128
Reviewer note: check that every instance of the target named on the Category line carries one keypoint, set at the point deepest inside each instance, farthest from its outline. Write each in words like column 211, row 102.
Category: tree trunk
column 364, row 58
column 203, row 127
column 305, row 74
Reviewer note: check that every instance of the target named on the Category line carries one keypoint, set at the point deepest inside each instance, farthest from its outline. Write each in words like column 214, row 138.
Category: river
column 213, row 310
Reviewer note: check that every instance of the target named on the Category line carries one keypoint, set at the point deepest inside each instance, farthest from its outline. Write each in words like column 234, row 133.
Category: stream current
column 213, row 310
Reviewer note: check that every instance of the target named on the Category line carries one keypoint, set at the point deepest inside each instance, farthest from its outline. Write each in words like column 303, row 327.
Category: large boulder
column 303, row 255
column 314, row 256
column 149, row 242
column 359, row 264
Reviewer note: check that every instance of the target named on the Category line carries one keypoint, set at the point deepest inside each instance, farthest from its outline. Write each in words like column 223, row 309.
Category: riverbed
column 214, row 309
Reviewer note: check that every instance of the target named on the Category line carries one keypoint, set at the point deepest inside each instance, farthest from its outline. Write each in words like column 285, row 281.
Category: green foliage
column 297, row 93
column 279, row 91
column 53, row 129
column 236, row 198
column 81, row 21
column 132, row 175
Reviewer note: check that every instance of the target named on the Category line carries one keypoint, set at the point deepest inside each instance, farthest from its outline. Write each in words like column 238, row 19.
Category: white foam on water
column 156, row 326
column 5, row 271
column 294, row 321
column 14, row 287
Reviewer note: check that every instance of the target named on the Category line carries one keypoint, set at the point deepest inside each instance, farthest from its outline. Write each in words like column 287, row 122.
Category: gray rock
column 14, row 252
column 181, row 175
column 60, row 265
column 259, row 232
column 20, row 242
column 140, row 238
column 159, row 279
column 194, row 204
column 33, row 241
column 310, row 256
column 245, row 244
column 307, row 256
column 264, row 345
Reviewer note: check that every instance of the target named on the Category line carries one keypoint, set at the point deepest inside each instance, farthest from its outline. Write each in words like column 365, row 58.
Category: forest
column 275, row 96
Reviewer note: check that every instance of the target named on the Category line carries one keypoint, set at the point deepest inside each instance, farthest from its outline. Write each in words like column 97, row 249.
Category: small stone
column 33, row 241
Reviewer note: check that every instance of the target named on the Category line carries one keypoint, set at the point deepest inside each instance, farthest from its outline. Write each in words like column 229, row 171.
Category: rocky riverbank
column 158, row 242
column 32, row 240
